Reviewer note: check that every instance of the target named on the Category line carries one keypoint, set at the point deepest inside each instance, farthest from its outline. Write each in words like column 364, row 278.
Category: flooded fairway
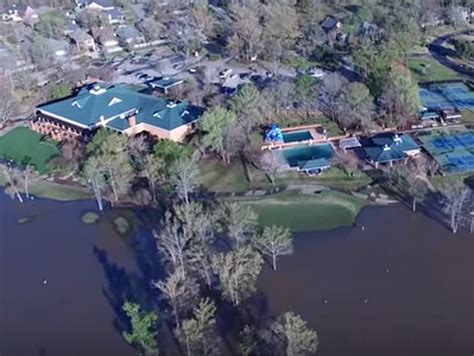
column 398, row 284
column 403, row 285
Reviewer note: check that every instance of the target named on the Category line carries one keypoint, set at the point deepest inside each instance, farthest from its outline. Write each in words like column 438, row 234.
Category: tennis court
column 447, row 96
column 454, row 152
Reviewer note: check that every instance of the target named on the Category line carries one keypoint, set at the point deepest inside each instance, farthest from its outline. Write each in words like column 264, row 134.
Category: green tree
column 51, row 24
column 170, row 152
column 217, row 124
column 238, row 271
column 274, row 241
column 249, row 106
column 298, row 339
column 198, row 332
column 61, row 90
column 143, row 329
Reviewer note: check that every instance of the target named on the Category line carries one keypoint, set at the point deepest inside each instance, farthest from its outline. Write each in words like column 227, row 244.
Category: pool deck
column 317, row 133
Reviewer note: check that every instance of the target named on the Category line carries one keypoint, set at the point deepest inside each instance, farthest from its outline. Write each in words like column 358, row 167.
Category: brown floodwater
column 404, row 285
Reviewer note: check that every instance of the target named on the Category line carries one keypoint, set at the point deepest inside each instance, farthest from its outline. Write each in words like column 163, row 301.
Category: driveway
column 442, row 54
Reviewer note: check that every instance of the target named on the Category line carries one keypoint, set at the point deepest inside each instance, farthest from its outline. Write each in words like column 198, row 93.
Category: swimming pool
column 318, row 155
column 297, row 136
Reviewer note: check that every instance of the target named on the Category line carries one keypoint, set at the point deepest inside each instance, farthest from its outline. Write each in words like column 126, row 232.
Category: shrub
column 90, row 218
column 122, row 225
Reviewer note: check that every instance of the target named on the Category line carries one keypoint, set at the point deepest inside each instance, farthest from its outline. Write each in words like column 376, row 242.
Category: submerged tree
column 455, row 198
column 95, row 179
column 274, row 241
column 238, row 271
column 295, row 336
column 198, row 332
column 143, row 329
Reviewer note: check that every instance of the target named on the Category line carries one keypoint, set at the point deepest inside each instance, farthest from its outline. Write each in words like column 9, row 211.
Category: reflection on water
column 402, row 286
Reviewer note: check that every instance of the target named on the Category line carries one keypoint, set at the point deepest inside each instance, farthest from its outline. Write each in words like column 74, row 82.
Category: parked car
column 269, row 74
column 192, row 70
column 316, row 73
column 244, row 76
column 178, row 66
column 225, row 73
column 233, row 76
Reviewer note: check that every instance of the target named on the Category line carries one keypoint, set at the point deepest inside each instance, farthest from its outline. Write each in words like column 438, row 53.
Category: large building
column 118, row 108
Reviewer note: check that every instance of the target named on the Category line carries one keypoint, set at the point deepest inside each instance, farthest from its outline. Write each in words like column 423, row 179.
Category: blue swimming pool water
column 295, row 157
column 297, row 136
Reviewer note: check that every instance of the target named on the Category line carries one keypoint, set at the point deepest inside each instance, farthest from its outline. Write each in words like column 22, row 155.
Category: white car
column 316, row 73
column 225, row 73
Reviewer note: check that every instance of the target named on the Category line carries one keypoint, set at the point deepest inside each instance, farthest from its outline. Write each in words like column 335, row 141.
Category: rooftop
column 388, row 147
column 114, row 104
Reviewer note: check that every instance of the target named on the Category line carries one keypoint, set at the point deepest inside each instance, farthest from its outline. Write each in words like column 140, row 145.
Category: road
column 442, row 54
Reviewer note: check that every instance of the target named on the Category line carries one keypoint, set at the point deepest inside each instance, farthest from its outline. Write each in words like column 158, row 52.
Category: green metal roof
column 116, row 103
column 318, row 163
column 388, row 147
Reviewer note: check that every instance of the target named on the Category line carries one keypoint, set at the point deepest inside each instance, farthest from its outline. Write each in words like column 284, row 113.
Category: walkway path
column 442, row 53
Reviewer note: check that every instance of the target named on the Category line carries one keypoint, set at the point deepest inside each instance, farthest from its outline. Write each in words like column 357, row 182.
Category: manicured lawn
column 25, row 146
column 299, row 212
column 238, row 177
column 428, row 69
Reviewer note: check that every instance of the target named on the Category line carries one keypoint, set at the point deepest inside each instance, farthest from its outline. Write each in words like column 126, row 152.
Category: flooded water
column 402, row 286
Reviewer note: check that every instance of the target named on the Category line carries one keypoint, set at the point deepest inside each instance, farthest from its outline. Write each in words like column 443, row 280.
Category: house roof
column 388, row 147
column 127, row 32
column 115, row 103
column 330, row 23
column 79, row 35
column 115, row 13
column 103, row 3
column 57, row 45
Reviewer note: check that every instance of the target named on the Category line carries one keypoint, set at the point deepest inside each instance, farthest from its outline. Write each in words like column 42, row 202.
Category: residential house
column 83, row 42
column 332, row 28
column 59, row 48
column 390, row 148
column 369, row 30
column 129, row 35
column 101, row 5
column 20, row 12
column 115, row 16
column 117, row 108
column 106, row 38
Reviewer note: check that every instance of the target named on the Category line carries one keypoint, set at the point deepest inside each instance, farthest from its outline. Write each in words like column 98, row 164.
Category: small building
column 129, row 35
column 115, row 16
column 107, row 40
column 331, row 24
column 165, row 84
column 82, row 41
column 59, row 48
column 370, row 31
column 118, row 108
column 349, row 143
column 451, row 115
column 100, row 5
column 20, row 12
column 390, row 148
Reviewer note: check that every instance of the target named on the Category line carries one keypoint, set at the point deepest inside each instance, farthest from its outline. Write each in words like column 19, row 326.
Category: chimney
column 132, row 120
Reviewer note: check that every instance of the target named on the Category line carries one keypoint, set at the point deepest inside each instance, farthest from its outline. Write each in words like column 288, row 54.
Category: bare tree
column 348, row 161
column 185, row 177
column 199, row 332
column 153, row 170
column 7, row 107
column 181, row 294
column 297, row 339
column 331, row 94
column 238, row 271
column 238, row 221
column 274, row 241
column 271, row 163
column 455, row 197
column 173, row 243
column 28, row 174
column 94, row 176
column 13, row 182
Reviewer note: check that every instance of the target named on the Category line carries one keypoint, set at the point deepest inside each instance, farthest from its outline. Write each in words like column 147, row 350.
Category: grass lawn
column 428, row 69
column 237, row 177
column 25, row 146
column 299, row 212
